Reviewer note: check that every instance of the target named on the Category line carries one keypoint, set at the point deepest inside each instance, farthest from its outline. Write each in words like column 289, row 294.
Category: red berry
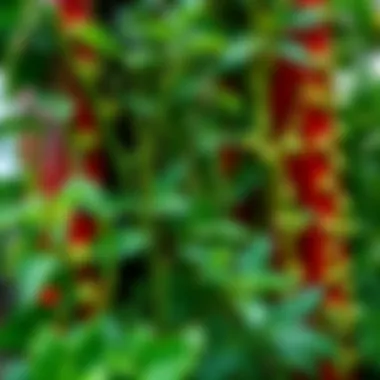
column 74, row 10
column 230, row 159
column 82, row 228
column 49, row 297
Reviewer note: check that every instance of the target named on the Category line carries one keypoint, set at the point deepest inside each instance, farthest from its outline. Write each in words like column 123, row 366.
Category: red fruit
column 94, row 166
column 50, row 297
column 82, row 228
column 85, row 117
column 74, row 10
column 230, row 159
column 54, row 169
column 286, row 83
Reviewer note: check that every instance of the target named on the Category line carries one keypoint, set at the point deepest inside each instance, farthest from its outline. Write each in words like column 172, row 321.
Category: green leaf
column 124, row 358
column 49, row 356
column 172, row 357
column 15, row 125
column 302, row 305
column 17, row 370
column 307, row 18
column 84, row 194
column 55, row 107
column 98, row 38
column 97, row 372
column 255, row 314
column 35, row 273
column 301, row 347
column 256, row 258
column 17, row 329
column 23, row 213
column 222, row 230
column 88, row 343
column 122, row 245
column 171, row 205
column 240, row 52
column 294, row 52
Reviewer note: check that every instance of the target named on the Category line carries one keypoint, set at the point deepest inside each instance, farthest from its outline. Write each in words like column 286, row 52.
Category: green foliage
column 211, row 305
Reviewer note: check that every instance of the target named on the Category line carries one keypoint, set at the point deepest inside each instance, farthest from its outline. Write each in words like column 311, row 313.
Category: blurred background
column 189, row 189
